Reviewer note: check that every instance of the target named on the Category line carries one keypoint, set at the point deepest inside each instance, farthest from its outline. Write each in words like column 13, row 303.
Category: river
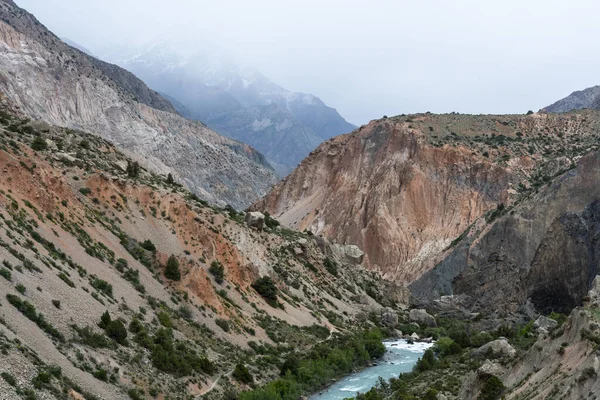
column 399, row 357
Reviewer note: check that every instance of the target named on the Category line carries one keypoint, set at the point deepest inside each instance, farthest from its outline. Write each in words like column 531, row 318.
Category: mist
column 367, row 59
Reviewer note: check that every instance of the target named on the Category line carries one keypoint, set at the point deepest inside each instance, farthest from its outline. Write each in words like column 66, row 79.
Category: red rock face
column 401, row 199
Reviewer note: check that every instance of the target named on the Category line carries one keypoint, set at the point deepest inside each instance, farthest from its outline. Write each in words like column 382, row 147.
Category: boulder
column 415, row 336
column 255, row 219
column 499, row 347
column 389, row 317
column 489, row 369
column 545, row 323
column 350, row 254
column 441, row 396
column 421, row 317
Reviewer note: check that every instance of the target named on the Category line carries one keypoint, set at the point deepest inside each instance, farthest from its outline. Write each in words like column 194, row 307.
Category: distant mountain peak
column 578, row 100
column 210, row 86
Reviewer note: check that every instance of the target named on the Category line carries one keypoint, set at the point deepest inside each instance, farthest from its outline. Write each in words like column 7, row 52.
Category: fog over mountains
column 236, row 101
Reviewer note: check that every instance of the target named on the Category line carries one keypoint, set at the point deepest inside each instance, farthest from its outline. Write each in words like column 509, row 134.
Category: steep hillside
column 587, row 98
column 235, row 101
column 58, row 84
column 404, row 188
column 544, row 249
column 84, row 231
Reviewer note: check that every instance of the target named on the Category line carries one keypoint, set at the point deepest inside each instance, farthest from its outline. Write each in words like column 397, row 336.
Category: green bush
column 6, row 274
column 175, row 357
column 330, row 266
column 172, row 269
column 217, row 270
column 164, row 319
column 29, row 311
column 148, row 245
column 223, row 324
column 20, row 288
column 39, row 144
column 241, row 374
column 10, row 379
column 492, row 389
column 90, row 338
column 267, row 289
column 116, row 331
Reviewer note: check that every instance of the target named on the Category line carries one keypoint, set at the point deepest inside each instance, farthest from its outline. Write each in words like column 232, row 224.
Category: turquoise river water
column 399, row 357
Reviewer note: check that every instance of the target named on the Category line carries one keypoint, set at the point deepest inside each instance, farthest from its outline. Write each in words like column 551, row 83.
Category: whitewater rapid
column 400, row 356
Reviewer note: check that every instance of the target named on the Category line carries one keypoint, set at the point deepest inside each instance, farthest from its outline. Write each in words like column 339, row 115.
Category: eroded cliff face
column 404, row 188
column 53, row 82
column 544, row 249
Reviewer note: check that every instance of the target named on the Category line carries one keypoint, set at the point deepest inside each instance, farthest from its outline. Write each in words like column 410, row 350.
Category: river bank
column 400, row 356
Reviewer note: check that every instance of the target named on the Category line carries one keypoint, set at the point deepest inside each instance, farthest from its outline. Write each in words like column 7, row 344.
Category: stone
column 415, row 336
column 499, row 347
column 545, row 323
column 594, row 293
column 422, row 317
column 351, row 254
column 302, row 242
column 298, row 251
column 489, row 369
column 389, row 317
column 64, row 157
column 441, row 396
column 255, row 219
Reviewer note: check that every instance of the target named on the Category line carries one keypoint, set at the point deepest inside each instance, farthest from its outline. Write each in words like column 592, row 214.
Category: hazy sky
column 370, row 58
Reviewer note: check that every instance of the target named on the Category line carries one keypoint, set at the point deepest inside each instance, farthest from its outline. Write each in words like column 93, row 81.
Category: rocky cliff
column 404, row 189
column 56, row 83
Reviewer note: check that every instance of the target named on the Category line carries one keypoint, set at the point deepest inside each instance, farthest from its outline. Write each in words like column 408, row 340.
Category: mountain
column 403, row 189
column 119, row 286
column 587, row 98
column 77, row 46
column 66, row 87
column 236, row 101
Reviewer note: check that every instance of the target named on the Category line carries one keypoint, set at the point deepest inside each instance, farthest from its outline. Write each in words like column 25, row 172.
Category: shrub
column 148, row 245
column 29, row 311
column 270, row 222
column 330, row 266
column 133, row 169
column 101, row 286
column 172, row 269
column 223, row 324
column 39, row 144
column 217, row 270
column 56, row 303
column 116, row 331
column 267, row 289
column 5, row 273
column 20, row 288
column 90, row 338
column 10, row 379
column 425, row 363
column 175, row 357
column 492, row 389
column 241, row 374
column 66, row 279
column 164, row 319
column 85, row 191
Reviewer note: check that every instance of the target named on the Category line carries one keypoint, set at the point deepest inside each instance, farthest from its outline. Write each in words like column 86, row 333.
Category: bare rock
column 545, row 323
column 255, row 219
column 422, row 317
column 489, row 369
column 389, row 317
column 499, row 347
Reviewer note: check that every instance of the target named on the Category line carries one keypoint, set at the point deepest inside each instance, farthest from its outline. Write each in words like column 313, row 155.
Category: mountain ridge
column 66, row 87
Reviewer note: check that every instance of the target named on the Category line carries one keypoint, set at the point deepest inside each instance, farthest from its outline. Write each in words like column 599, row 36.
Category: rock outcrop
column 421, row 317
column 63, row 86
column 406, row 189
column 498, row 348
column 581, row 99
column 543, row 250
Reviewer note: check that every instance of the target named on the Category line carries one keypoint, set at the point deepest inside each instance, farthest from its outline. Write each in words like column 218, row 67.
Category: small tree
column 117, row 331
column 39, row 144
column 267, row 289
column 104, row 320
column 217, row 270
column 133, row 169
column 241, row 374
column 170, row 179
column 172, row 269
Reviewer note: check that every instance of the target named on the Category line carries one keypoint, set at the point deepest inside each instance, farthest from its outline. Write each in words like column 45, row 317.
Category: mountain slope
column 404, row 188
column 79, row 236
column 587, row 98
column 235, row 101
column 53, row 82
